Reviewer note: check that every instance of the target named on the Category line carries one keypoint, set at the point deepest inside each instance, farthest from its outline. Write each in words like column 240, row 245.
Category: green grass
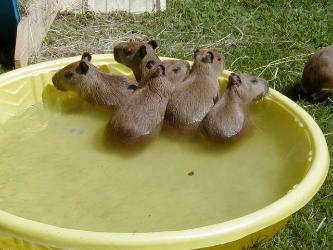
column 270, row 38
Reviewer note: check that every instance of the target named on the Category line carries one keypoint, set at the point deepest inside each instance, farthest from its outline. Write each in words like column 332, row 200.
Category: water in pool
column 56, row 169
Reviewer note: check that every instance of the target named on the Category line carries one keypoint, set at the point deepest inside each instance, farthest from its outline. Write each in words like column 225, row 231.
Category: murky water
column 56, row 169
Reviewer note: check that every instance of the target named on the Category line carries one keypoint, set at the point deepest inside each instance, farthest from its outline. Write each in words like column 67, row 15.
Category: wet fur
column 192, row 99
column 140, row 119
column 317, row 78
column 95, row 86
column 229, row 118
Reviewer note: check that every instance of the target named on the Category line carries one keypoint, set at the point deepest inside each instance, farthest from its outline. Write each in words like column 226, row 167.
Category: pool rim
column 200, row 237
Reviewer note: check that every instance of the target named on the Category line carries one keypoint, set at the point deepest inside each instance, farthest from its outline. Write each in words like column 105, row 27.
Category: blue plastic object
column 9, row 19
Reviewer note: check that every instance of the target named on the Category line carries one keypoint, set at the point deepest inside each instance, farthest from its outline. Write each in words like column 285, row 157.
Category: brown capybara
column 193, row 99
column 93, row 85
column 317, row 78
column 230, row 115
column 141, row 58
column 140, row 119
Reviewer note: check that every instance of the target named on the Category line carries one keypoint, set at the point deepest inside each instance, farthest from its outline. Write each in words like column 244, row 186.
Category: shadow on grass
column 294, row 91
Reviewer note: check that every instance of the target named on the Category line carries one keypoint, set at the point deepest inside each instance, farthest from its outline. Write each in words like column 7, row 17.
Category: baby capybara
column 140, row 119
column 193, row 98
column 94, row 85
column 229, row 117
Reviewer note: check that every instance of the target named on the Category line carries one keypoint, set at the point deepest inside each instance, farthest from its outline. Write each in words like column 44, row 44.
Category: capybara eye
column 219, row 59
column 69, row 75
column 127, row 51
column 175, row 70
column 254, row 81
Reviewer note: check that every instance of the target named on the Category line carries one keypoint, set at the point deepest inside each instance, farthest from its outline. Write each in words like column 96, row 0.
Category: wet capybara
column 229, row 117
column 140, row 119
column 94, row 85
column 193, row 98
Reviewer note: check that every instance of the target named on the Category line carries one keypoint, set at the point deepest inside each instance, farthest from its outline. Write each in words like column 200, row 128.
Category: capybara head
column 70, row 76
column 158, row 82
column 159, row 72
column 248, row 88
column 156, row 73
column 139, row 56
column 127, row 52
column 176, row 70
column 210, row 58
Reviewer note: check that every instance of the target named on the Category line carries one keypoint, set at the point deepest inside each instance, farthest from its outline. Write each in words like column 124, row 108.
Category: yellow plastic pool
column 62, row 188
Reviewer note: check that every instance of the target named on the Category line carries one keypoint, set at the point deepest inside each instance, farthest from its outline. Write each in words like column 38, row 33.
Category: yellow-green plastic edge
column 201, row 237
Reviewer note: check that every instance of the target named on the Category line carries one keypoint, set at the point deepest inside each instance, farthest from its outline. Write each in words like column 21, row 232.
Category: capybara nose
column 116, row 53
column 266, row 88
column 56, row 83
column 54, row 79
column 233, row 76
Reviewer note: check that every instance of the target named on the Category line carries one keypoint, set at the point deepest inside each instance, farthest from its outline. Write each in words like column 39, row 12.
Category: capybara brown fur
column 141, row 57
column 94, row 85
column 229, row 117
column 138, row 56
column 140, row 119
column 176, row 70
column 193, row 98
column 317, row 78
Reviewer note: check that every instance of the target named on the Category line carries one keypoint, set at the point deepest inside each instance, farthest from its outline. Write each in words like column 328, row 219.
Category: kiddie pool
column 294, row 186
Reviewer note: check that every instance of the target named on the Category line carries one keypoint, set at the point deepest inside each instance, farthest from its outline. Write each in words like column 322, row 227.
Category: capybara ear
column 195, row 52
column 142, row 51
column 84, row 67
column 161, row 69
column 235, row 79
column 208, row 58
column 86, row 56
column 150, row 64
column 133, row 87
column 153, row 44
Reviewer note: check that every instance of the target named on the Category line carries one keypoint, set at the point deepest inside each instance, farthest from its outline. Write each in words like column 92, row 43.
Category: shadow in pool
column 203, row 145
column 192, row 141
column 101, row 143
